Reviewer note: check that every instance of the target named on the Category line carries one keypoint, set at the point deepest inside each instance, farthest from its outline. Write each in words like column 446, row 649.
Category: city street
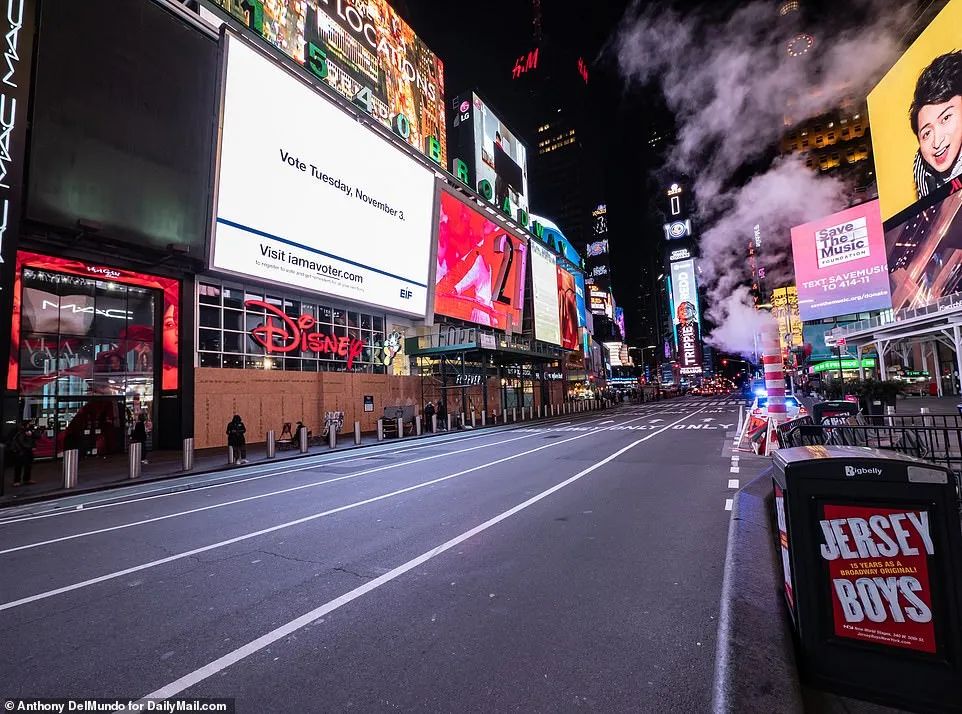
column 568, row 564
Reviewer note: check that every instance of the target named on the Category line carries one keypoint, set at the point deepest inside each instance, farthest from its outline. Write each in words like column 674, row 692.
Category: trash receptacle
column 869, row 543
column 833, row 408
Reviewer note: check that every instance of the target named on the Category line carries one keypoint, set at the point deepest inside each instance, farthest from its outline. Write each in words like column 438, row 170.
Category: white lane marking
column 655, row 421
column 610, row 421
column 231, row 658
column 735, row 457
column 267, row 494
column 264, row 531
column 733, row 483
column 230, row 479
column 734, row 470
column 729, row 503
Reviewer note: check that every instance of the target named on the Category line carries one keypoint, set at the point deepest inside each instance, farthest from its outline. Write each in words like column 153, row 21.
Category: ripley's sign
column 289, row 335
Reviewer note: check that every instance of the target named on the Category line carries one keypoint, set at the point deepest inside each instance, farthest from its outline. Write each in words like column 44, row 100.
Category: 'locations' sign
column 363, row 50
column 280, row 334
column 308, row 197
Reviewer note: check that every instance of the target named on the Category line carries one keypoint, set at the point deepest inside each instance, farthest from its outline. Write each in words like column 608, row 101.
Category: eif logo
column 842, row 243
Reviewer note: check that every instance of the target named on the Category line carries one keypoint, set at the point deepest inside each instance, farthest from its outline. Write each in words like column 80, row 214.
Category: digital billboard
column 840, row 264
column 677, row 229
column 614, row 354
column 364, row 51
column 599, row 247
column 492, row 152
column 686, row 317
column 620, row 321
column 785, row 312
column 581, row 298
column 916, row 116
column 480, row 267
column 567, row 309
column 340, row 212
column 544, row 283
column 925, row 254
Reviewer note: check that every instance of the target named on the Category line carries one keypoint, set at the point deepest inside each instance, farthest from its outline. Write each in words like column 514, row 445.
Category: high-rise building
column 551, row 103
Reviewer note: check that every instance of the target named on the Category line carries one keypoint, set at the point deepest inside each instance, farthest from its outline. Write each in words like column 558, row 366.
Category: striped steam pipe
column 774, row 373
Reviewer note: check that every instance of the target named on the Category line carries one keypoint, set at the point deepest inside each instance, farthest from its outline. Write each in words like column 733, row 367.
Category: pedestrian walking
column 428, row 413
column 443, row 414
column 236, row 439
column 21, row 448
column 139, row 436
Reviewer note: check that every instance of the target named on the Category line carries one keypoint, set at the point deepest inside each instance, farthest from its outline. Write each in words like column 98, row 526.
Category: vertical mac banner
column 310, row 198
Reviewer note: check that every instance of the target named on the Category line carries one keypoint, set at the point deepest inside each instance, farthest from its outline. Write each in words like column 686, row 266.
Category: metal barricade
column 187, row 457
column 71, row 462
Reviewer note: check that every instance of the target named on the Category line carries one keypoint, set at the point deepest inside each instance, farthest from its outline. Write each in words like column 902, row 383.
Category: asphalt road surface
column 574, row 564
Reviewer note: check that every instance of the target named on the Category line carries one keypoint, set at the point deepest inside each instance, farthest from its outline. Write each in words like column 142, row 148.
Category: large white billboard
column 544, row 283
column 308, row 197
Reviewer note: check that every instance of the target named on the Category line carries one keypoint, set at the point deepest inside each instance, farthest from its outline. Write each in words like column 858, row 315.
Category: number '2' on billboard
column 840, row 264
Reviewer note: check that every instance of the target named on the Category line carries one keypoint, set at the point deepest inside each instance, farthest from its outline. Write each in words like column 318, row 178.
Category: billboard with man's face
column 840, row 264
column 916, row 117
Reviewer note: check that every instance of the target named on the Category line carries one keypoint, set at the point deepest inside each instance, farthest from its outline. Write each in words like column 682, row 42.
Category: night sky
column 479, row 44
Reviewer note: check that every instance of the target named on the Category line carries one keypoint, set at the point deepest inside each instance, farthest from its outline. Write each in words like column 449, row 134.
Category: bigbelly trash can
column 871, row 552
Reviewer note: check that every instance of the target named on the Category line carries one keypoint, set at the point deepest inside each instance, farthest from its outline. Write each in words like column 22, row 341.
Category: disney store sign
column 280, row 333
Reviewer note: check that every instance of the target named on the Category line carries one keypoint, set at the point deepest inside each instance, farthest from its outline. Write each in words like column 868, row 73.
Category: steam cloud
column 733, row 88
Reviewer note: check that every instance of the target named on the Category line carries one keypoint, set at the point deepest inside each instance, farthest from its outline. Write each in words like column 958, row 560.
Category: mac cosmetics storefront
column 94, row 348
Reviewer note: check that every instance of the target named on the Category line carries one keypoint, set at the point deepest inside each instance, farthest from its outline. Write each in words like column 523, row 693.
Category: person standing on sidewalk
column 443, row 414
column 428, row 413
column 236, row 439
column 21, row 448
column 139, row 436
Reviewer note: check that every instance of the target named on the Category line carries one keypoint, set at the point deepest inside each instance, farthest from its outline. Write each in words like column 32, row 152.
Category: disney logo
column 289, row 335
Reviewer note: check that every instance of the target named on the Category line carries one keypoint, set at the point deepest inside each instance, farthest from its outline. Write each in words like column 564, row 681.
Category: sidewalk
column 98, row 473
column 912, row 405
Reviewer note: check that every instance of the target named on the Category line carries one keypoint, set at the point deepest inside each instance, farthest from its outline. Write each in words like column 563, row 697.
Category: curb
column 755, row 668
column 127, row 483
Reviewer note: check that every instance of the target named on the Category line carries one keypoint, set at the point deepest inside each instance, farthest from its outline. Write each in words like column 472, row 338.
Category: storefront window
column 227, row 332
column 86, row 358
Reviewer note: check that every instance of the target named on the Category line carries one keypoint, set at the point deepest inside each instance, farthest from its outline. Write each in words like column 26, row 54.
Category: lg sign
column 842, row 243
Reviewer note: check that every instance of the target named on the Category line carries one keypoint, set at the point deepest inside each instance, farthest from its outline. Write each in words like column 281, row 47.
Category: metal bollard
column 463, row 422
column 271, row 444
column 332, row 436
column 484, row 418
column 449, row 423
column 400, row 428
column 230, row 455
column 504, row 416
column 924, row 411
column 304, row 440
column 133, row 459
column 474, row 421
column 357, row 433
column 71, row 460
column 417, row 425
column 187, row 460
column 380, row 430
column 434, row 423
column 514, row 415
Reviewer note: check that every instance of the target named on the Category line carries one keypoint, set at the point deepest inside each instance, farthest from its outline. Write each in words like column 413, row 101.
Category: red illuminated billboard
column 840, row 264
column 480, row 267
column 568, row 309
column 131, row 337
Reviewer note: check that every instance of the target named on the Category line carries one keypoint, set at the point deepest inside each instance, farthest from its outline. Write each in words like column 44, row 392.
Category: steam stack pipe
column 774, row 373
